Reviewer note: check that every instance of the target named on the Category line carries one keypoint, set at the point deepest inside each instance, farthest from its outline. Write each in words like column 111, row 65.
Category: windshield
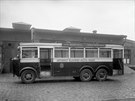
column 29, row 52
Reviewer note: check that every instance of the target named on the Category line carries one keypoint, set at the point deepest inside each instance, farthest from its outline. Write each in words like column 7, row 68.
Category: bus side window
column 61, row 52
column 77, row 53
column 91, row 52
column 105, row 53
column 29, row 52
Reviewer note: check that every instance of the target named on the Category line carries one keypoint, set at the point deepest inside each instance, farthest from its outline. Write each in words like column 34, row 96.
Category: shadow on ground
column 67, row 81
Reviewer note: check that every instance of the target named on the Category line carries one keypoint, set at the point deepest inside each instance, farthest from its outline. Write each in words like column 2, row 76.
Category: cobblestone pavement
column 116, row 88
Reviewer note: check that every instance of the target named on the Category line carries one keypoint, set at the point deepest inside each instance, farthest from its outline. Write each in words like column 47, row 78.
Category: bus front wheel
column 28, row 76
column 86, row 75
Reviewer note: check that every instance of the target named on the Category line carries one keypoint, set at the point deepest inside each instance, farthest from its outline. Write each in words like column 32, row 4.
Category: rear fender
column 102, row 66
column 87, row 67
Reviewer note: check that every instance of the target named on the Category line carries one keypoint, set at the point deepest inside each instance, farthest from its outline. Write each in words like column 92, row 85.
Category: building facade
column 129, row 56
column 10, row 38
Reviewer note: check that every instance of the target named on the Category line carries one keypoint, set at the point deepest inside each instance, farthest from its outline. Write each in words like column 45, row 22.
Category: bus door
column 45, row 59
column 118, row 60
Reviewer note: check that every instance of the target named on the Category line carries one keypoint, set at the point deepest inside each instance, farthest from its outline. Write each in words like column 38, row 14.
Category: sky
column 106, row 16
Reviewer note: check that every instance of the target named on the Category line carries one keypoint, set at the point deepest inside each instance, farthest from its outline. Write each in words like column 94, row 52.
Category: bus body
column 41, row 60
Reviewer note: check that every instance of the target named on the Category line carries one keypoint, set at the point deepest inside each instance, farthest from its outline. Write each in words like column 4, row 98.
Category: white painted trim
column 82, row 60
column 53, row 53
column 69, row 52
column 98, row 53
column 111, row 53
column 84, row 52
column 114, row 46
column 29, row 60
column 38, row 52
column 123, row 53
column 40, row 44
column 46, row 46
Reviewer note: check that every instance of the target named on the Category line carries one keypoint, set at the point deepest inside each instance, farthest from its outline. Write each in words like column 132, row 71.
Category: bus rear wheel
column 28, row 76
column 101, row 75
column 86, row 75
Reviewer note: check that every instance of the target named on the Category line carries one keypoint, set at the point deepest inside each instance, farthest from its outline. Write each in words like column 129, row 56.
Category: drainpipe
column 32, row 34
column 124, row 45
column 123, row 53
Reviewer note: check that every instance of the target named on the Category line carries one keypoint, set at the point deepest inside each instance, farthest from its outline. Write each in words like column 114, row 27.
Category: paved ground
column 116, row 88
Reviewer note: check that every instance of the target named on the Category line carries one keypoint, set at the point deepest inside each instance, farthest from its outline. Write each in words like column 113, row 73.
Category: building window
column 127, row 53
column 61, row 52
column 29, row 52
column 105, row 53
column 91, row 52
column 127, row 56
column 77, row 53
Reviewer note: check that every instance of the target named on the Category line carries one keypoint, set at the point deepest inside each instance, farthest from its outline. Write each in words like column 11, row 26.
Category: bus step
column 45, row 74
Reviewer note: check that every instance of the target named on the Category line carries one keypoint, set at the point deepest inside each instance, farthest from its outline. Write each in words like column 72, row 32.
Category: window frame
column 77, row 48
column 21, row 53
column 110, row 56
column 61, row 49
column 91, row 49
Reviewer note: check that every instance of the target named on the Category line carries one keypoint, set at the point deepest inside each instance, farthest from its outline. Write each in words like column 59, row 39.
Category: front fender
column 28, row 68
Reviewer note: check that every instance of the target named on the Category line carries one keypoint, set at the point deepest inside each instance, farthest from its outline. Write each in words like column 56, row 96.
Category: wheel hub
column 28, row 76
column 86, row 75
column 102, row 74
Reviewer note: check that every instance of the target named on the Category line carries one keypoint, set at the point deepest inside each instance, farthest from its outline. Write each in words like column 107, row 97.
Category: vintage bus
column 82, row 62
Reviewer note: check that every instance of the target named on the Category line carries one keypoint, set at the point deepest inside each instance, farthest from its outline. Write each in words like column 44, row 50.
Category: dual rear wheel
column 86, row 75
column 101, row 74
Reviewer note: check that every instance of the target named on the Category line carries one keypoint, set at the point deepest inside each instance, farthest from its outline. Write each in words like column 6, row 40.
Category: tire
column 101, row 75
column 86, row 75
column 28, row 76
